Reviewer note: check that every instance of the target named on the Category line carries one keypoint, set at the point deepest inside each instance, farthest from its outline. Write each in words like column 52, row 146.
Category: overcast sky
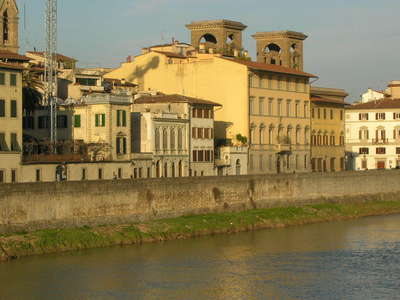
column 352, row 44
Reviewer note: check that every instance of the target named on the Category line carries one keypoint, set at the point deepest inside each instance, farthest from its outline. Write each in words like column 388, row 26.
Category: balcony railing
column 380, row 141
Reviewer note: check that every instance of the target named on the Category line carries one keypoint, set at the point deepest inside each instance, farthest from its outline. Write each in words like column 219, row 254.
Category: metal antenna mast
column 51, row 66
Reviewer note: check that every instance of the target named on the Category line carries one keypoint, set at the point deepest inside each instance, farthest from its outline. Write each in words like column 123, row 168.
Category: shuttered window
column 14, row 143
column 2, row 108
column 13, row 108
column 3, row 144
column 77, row 121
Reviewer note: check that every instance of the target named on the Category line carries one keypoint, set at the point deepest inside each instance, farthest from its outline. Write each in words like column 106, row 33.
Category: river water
column 357, row 259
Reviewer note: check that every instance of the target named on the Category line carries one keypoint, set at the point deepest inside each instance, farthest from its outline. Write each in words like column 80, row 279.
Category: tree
column 242, row 139
column 31, row 90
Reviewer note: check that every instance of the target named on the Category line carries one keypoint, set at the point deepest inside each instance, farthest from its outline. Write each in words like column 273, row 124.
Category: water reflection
column 343, row 260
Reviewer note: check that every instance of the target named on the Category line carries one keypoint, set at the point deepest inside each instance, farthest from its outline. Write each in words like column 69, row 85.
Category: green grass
column 57, row 240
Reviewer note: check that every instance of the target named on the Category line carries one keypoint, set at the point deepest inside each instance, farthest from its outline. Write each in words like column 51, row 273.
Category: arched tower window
column 272, row 54
column 5, row 26
column 208, row 38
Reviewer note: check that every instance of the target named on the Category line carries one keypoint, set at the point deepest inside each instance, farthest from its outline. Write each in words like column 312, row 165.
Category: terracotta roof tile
column 11, row 66
column 11, row 55
column 175, row 98
column 270, row 68
column 315, row 98
column 378, row 104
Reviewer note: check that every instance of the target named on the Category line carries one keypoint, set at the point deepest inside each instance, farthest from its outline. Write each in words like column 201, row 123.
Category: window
column 396, row 116
column 363, row 151
column 398, row 150
column 331, row 114
column 180, row 139
column 13, row 79
column 261, row 106
column 172, row 139
column 86, row 81
column 251, row 105
column 380, row 116
column 2, row 179
column 2, row 79
column 288, row 106
column 194, row 133
column 157, row 139
column 3, row 144
column 100, row 173
column 261, row 162
column 13, row 176
column 43, row 122
column 324, row 113
column 363, row 116
column 319, row 113
column 195, row 155
column 194, row 112
column 38, row 175
column 84, row 176
column 200, row 133
column 313, row 113
column 121, row 118
column 364, row 134
column 62, row 121
column 100, row 120
column 165, row 139
column 77, row 121
column 341, row 115
column 14, row 143
column 297, row 109
column 120, row 173
column 2, row 108
column 206, row 113
column 381, row 150
column 251, row 80
column 13, row 108
column 270, row 107
column 279, row 107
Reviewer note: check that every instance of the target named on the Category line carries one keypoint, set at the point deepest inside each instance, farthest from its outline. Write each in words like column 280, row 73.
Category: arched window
column 180, row 167
column 380, row 134
column 5, row 26
column 306, row 135
column 363, row 133
column 180, row 139
column 271, row 134
column 252, row 134
column 157, row 139
column 208, row 38
column 173, row 170
column 298, row 134
column 280, row 134
column 289, row 135
column 158, row 169
column 165, row 139
column 172, row 139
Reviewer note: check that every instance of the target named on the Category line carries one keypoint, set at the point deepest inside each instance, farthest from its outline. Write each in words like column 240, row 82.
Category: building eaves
column 173, row 99
column 387, row 103
column 5, row 54
column 270, row 68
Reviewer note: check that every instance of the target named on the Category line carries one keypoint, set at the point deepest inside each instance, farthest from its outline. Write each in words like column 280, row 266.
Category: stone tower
column 222, row 36
column 283, row 48
column 9, row 25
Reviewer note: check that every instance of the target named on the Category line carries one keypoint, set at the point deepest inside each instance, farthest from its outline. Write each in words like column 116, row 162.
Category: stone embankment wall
column 48, row 205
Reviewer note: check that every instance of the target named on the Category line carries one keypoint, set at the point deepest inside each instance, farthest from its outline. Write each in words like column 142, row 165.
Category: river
column 357, row 259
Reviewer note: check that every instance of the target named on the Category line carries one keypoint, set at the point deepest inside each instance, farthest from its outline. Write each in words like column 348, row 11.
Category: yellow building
column 10, row 122
column 266, row 103
column 327, row 122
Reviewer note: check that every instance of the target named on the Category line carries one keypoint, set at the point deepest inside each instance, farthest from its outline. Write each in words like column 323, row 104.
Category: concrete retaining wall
column 65, row 204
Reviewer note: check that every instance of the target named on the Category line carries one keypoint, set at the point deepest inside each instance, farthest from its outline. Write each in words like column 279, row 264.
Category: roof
column 315, row 98
column 60, row 57
column 171, row 54
column 216, row 23
column 175, row 98
column 11, row 66
column 378, row 104
column 176, row 43
column 11, row 55
column 270, row 68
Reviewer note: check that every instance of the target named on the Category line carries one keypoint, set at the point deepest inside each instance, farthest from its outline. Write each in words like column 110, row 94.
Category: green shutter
column 13, row 108
column 103, row 120
column 118, row 118
column 77, row 121
column 97, row 120
column 2, row 79
column 118, row 145
column 124, row 145
column 124, row 118
column 2, row 108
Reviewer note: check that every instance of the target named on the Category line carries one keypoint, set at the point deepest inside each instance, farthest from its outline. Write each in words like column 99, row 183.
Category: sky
column 352, row 44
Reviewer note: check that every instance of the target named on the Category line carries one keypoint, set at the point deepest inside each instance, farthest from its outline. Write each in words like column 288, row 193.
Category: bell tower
column 283, row 48
column 9, row 25
column 219, row 36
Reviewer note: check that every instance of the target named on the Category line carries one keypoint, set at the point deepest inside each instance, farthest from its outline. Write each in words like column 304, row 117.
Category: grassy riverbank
column 52, row 241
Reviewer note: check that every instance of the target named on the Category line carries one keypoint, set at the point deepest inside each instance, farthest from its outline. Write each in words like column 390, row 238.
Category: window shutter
column 97, row 120
column 118, row 118
column 124, row 118
column 118, row 145
column 360, row 134
column 124, row 145
column 13, row 108
column 2, row 110
column 103, row 120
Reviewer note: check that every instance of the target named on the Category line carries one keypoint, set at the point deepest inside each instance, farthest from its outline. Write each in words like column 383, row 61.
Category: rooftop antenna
column 51, row 67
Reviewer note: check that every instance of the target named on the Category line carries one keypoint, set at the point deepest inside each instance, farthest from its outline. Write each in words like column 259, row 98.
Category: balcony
column 380, row 141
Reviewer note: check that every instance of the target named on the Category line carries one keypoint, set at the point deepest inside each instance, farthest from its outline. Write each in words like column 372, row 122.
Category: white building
column 372, row 95
column 373, row 132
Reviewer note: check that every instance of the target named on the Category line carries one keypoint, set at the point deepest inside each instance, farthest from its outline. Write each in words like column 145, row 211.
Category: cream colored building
column 10, row 122
column 198, row 136
column 266, row 103
column 373, row 132
column 327, row 123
